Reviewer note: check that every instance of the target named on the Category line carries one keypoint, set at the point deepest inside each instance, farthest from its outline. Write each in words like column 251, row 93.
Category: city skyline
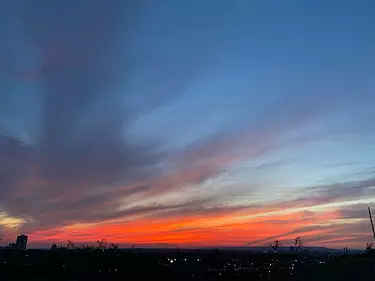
column 187, row 123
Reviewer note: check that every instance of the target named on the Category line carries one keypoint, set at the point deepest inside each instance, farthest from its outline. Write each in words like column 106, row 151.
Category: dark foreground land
column 69, row 265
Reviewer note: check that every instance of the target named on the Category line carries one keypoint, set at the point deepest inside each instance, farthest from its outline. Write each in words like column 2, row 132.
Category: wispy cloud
column 82, row 141
column 73, row 91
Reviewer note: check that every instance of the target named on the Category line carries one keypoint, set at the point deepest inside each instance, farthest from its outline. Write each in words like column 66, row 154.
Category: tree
column 113, row 247
column 70, row 245
column 369, row 247
column 346, row 250
column 275, row 245
column 298, row 244
column 102, row 244
column 85, row 247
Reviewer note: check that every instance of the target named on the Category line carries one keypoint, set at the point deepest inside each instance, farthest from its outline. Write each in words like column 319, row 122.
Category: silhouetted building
column 21, row 242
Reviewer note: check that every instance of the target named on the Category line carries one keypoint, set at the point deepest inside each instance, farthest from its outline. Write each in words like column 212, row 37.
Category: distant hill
column 321, row 250
column 286, row 249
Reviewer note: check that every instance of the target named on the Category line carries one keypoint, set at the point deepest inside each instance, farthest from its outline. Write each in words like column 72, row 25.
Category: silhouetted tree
column 85, row 247
column 276, row 245
column 102, row 244
column 346, row 250
column 70, row 245
column 369, row 247
column 54, row 247
column 113, row 247
column 298, row 244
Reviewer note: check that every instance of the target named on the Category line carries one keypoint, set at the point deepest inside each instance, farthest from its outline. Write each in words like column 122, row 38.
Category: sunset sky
column 187, row 123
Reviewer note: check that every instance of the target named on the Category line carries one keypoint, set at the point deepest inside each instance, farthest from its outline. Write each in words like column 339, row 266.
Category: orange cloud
column 193, row 230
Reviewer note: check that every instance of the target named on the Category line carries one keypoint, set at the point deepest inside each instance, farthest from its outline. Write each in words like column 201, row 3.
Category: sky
column 178, row 123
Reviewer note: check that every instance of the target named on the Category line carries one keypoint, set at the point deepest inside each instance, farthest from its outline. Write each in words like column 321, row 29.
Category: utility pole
column 372, row 224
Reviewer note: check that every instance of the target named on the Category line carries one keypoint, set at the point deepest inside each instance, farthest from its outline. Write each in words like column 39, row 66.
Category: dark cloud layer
column 340, row 191
column 83, row 61
column 86, row 56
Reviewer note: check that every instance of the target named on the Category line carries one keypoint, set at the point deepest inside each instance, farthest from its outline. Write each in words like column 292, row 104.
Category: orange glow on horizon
column 193, row 231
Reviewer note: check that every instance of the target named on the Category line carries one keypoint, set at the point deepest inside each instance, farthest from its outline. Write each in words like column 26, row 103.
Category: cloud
column 331, row 225
column 340, row 191
column 356, row 233
column 196, row 221
column 269, row 165
column 67, row 154
column 329, row 195
column 355, row 212
column 9, row 224
column 89, row 94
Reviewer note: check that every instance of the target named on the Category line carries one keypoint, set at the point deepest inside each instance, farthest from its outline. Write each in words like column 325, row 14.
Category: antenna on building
column 372, row 224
